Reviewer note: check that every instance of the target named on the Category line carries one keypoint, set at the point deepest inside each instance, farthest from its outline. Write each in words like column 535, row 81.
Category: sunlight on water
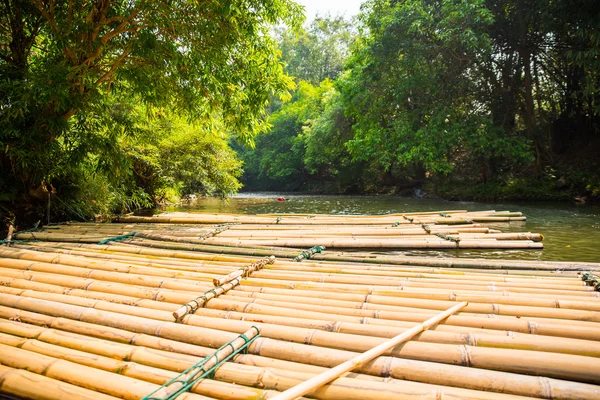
column 572, row 232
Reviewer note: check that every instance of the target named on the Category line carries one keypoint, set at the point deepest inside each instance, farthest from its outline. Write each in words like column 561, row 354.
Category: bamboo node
column 466, row 355
column 532, row 326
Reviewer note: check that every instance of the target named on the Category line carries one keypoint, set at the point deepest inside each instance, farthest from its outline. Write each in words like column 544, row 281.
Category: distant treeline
column 473, row 99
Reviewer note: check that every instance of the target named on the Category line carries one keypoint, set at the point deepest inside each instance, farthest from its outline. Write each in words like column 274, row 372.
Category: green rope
column 220, row 228
column 443, row 214
column 277, row 220
column 117, row 238
column 427, row 228
column 197, row 371
column 306, row 254
column 395, row 224
column 8, row 242
column 591, row 280
column 448, row 237
column 30, row 230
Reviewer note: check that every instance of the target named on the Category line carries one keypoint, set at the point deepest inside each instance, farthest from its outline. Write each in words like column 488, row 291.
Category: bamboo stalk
column 255, row 266
column 81, row 265
column 465, row 336
column 383, row 366
column 566, row 367
column 187, row 251
column 269, row 378
column 313, row 314
column 27, row 385
column 325, row 377
column 386, row 270
column 141, row 279
column 90, row 378
column 212, row 361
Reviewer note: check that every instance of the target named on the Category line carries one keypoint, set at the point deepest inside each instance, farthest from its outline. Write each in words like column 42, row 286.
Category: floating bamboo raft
column 432, row 230
column 98, row 311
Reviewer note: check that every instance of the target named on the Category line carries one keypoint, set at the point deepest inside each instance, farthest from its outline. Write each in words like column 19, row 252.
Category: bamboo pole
column 27, row 385
column 242, row 375
column 159, row 282
column 336, row 372
column 416, row 280
column 90, row 378
column 255, row 266
column 566, row 366
column 447, row 334
column 385, row 270
column 317, row 313
column 354, row 243
column 210, row 362
column 519, row 311
column 187, row 251
column 414, row 370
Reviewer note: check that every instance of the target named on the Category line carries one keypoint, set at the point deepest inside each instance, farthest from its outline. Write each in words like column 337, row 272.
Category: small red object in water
column 280, row 199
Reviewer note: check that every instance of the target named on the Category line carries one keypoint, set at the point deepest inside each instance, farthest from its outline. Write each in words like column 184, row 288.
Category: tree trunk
column 529, row 106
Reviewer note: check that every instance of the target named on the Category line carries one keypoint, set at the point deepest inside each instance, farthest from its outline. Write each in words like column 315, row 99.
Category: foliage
column 195, row 159
column 411, row 88
column 484, row 91
column 318, row 52
column 75, row 77
column 279, row 156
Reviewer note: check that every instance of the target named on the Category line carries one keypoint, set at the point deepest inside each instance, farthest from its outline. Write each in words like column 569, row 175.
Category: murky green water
column 572, row 232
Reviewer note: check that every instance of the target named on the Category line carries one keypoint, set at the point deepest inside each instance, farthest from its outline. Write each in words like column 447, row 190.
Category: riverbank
column 584, row 189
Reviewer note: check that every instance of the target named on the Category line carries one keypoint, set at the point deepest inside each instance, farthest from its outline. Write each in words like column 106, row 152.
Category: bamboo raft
column 94, row 311
column 432, row 230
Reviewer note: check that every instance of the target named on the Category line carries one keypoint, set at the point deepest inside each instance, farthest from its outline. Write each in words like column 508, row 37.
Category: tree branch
column 115, row 65
column 38, row 4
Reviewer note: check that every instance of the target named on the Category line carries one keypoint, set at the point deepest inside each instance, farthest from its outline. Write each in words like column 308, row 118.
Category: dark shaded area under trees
column 468, row 99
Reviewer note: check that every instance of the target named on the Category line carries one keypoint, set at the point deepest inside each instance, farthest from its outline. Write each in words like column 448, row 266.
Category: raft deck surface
column 431, row 230
column 118, row 320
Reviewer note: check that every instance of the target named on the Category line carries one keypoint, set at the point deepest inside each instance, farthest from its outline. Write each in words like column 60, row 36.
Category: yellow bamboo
column 319, row 380
column 447, row 334
column 111, row 307
column 566, row 367
column 381, row 310
column 33, row 253
column 264, row 377
column 99, row 380
column 255, row 266
column 27, row 385
column 414, row 370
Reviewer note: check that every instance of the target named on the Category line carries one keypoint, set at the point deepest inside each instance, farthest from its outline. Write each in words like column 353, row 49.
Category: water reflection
column 572, row 232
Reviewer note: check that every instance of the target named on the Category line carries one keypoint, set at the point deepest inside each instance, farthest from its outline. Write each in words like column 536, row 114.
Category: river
column 571, row 231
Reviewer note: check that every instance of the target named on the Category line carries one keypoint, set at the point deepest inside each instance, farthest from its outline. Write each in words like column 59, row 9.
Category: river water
column 571, row 231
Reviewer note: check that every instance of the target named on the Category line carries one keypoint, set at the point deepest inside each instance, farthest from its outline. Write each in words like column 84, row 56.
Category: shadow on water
column 572, row 232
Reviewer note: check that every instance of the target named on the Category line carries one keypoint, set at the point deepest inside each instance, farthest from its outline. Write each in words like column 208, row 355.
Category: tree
column 278, row 160
column 412, row 89
column 73, row 73
column 317, row 52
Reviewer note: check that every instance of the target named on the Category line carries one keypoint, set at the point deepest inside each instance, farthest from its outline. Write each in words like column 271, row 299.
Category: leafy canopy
column 75, row 76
